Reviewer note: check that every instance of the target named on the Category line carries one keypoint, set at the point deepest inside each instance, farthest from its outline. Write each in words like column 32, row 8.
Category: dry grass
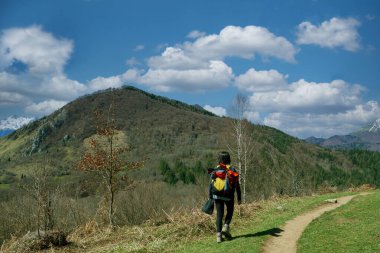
column 175, row 227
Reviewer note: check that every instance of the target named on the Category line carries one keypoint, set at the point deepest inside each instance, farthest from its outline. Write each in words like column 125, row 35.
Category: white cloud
column 101, row 83
column 14, row 123
column 252, row 116
column 198, row 65
column 11, row 98
column 60, row 87
column 216, row 76
column 303, row 96
column 220, row 111
column 39, row 50
column 176, row 58
column 305, row 108
column 45, row 107
column 326, row 124
column 242, row 42
column 195, row 34
column 261, row 81
column 336, row 32
column 43, row 78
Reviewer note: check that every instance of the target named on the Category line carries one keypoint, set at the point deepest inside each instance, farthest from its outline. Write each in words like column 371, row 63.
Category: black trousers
column 219, row 204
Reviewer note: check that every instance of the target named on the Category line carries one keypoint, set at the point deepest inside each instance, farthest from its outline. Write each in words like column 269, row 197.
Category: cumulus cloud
column 216, row 76
column 39, row 50
column 305, row 108
column 43, row 58
column 336, row 32
column 260, row 81
column 45, row 107
column 220, row 111
column 176, row 58
column 242, row 42
column 325, row 124
column 303, row 96
column 11, row 98
column 252, row 116
column 14, row 122
column 197, row 65
column 101, row 83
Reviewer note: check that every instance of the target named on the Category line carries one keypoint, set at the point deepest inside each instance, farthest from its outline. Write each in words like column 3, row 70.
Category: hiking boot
column 218, row 237
column 226, row 231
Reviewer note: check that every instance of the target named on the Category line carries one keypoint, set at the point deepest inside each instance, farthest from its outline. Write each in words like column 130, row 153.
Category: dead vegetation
column 175, row 227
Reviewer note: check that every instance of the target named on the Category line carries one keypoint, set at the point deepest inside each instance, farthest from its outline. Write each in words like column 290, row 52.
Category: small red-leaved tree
column 104, row 157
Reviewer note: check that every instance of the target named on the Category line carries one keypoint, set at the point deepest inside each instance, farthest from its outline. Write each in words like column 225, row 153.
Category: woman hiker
column 225, row 181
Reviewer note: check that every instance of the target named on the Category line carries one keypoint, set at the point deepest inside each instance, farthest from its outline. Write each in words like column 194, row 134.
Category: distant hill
column 368, row 138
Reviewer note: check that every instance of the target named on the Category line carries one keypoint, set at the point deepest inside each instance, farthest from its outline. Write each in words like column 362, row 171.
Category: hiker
column 224, row 183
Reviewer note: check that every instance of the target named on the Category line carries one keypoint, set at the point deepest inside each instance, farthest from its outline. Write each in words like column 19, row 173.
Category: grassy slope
column 195, row 233
column 251, row 233
column 350, row 228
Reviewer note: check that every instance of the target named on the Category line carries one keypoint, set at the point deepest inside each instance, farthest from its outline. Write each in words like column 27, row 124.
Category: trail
column 286, row 242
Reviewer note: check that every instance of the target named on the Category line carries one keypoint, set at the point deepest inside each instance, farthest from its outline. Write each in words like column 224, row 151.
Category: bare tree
column 104, row 157
column 40, row 188
column 242, row 146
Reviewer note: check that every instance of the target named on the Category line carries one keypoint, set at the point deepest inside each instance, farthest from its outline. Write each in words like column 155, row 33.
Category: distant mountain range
column 367, row 138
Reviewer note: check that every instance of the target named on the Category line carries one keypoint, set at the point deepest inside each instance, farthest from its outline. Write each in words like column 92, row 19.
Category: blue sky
column 308, row 68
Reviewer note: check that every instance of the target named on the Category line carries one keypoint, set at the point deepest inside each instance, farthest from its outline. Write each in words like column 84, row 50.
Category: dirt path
column 286, row 242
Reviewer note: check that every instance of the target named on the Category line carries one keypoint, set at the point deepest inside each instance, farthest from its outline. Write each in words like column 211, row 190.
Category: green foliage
column 351, row 228
column 169, row 175
column 281, row 141
column 369, row 165
column 181, row 172
column 326, row 155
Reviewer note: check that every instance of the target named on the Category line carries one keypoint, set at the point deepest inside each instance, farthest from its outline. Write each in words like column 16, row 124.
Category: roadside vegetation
column 194, row 231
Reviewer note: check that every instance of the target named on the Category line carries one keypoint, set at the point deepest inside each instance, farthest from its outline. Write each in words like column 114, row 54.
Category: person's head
column 224, row 157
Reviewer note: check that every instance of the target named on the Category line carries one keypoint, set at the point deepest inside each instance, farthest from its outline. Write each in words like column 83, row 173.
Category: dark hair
column 224, row 157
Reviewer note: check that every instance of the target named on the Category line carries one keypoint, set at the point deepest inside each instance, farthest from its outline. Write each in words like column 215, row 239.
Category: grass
column 251, row 231
column 4, row 186
column 195, row 231
column 353, row 227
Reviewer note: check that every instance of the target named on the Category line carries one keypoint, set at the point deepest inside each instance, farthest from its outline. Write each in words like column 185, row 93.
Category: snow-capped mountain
column 375, row 128
column 12, row 123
